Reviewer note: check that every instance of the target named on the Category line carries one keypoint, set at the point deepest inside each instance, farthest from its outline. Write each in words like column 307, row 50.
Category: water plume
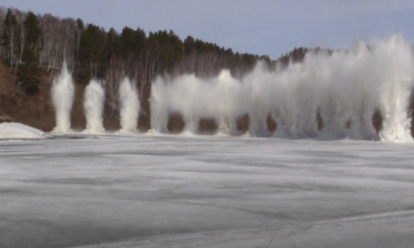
column 62, row 96
column 342, row 89
column 93, row 106
column 130, row 106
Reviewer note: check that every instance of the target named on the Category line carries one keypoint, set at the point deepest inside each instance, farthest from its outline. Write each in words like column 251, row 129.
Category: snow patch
column 13, row 130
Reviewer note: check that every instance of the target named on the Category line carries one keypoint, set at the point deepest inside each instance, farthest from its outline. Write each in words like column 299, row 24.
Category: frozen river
column 172, row 191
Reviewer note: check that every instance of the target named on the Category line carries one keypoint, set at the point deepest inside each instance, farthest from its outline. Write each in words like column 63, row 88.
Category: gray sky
column 271, row 27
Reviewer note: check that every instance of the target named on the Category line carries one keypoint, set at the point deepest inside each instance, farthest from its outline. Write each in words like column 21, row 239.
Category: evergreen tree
column 27, row 71
column 33, row 31
column 188, row 45
column 112, row 48
column 9, row 35
column 91, row 54
column 133, row 43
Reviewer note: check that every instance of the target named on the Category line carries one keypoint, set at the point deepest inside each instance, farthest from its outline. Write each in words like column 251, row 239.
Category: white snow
column 13, row 130
column 172, row 191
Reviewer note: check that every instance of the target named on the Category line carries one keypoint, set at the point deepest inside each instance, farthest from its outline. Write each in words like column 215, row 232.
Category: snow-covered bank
column 13, row 130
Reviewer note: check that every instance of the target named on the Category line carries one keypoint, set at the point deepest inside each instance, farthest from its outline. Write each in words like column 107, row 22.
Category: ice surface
column 15, row 130
column 172, row 191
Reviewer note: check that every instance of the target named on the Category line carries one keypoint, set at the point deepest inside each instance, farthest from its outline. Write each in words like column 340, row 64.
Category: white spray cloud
column 345, row 88
column 130, row 106
column 62, row 97
column 93, row 106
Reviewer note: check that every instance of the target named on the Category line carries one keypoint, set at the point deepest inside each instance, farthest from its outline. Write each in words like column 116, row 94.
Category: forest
column 30, row 41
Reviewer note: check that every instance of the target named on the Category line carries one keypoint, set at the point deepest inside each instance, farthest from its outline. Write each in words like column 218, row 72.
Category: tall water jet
column 158, row 107
column 93, row 106
column 130, row 106
column 220, row 98
column 230, row 95
column 395, row 94
column 62, row 97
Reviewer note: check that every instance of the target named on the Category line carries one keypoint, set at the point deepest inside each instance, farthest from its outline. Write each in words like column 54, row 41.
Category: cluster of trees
column 19, row 47
column 297, row 55
column 30, row 41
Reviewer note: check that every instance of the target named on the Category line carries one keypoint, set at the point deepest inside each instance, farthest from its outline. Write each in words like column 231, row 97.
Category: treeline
column 297, row 55
column 30, row 41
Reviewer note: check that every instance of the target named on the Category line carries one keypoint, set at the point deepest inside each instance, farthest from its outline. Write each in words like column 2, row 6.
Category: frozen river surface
column 146, row 191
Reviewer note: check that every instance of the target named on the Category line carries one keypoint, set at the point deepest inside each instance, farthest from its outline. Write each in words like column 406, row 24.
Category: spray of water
column 130, row 106
column 344, row 89
column 62, row 97
column 93, row 105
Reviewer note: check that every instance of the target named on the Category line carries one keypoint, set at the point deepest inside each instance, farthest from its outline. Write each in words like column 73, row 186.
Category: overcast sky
column 271, row 27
